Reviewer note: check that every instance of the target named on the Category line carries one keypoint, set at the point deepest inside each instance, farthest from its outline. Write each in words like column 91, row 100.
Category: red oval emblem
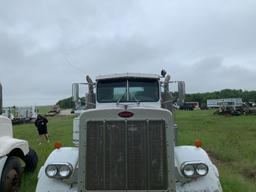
column 125, row 114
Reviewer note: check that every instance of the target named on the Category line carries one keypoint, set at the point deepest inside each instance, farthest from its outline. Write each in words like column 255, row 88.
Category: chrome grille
column 127, row 155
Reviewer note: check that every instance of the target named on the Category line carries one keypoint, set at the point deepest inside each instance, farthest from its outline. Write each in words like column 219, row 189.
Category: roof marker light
column 57, row 144
column 198, row 143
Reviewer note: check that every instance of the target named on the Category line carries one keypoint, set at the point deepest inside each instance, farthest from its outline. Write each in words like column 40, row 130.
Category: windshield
column 127, row 90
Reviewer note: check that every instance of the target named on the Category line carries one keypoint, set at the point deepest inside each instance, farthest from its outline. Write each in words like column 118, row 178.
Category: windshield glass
column 127, row 90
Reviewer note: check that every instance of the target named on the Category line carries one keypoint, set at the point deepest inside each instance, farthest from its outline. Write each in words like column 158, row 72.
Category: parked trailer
column 7, row 112
column 125, row 141
column 216, row 103
column 24, row 114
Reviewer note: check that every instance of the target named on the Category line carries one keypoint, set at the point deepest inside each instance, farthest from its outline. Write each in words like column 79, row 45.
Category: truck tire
column 31, row 160
column 11, row 175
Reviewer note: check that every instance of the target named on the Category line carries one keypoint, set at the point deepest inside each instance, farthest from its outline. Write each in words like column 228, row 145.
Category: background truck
column 125, row 140
column 12, row 152
column 54, row 111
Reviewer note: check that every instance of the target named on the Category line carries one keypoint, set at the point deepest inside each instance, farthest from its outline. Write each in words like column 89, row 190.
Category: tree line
column 247, row 96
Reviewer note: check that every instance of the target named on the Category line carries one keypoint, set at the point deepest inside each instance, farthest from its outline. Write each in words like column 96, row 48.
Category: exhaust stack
column 90, row 97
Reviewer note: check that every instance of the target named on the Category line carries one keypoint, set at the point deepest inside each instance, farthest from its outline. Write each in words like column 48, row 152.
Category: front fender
column 209, row 183
column 8, row 144
column 190, row 153
column 62, row 155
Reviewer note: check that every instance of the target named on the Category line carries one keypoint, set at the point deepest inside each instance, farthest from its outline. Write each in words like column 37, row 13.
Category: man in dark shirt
column 41, row 124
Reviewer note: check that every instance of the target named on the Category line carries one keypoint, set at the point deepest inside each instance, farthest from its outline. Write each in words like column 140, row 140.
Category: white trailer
column 216, row 103
column 125, row 141
column 7, row 113
column 23, row 114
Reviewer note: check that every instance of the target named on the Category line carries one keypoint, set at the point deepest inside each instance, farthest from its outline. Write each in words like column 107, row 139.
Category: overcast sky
column 46, row 45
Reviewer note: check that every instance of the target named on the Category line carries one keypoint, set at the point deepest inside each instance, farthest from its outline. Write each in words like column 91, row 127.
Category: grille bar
column 137, row 155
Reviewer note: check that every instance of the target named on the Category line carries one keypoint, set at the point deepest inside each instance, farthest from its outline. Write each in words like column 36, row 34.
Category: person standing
column 41, row 125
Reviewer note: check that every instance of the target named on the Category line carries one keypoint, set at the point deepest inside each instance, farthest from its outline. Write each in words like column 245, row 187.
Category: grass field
column 230, row 141
column 44, row 109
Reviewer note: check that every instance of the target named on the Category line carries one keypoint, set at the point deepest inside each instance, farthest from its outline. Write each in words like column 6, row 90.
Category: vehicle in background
column 126, row 140
column 248, row 108
column 203, row 106
column 18, row 115
column 12, row 152
column 215, row 103
column 54, row 111
column 7, row 113
column 24, row 114
column 188, row 106
column 228, row 108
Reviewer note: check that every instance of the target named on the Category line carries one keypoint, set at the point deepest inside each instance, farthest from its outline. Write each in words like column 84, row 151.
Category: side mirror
column 75, row 92
column 163, row 73
column 1, row 100
column 181, row 91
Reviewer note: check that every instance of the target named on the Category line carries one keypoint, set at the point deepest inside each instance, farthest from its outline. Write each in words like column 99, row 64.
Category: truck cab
column 125, row 140
column 12, row 152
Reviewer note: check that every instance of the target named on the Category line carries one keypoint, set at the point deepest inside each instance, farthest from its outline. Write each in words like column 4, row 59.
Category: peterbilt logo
column 126, row 114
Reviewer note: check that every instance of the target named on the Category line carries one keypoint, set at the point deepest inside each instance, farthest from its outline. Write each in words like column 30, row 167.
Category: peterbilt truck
column 125, row 140
column 12, row 152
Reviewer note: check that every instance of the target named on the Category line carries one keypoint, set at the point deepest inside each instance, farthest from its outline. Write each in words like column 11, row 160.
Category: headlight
column 194, row 169
column 51, row 171
column 189, row 170
column 59, row 170
column 201, row 169
column 65, row 170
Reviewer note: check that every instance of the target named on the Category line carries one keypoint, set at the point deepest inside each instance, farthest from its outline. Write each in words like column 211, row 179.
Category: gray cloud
column 47, row 45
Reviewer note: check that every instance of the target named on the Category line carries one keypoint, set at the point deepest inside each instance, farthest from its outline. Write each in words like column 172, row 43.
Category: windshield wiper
column 119, row 99
column 137, row 100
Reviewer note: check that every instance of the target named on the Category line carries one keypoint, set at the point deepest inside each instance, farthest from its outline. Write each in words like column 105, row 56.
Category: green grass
column 230, row 141
column 44, row 109
column 59, row 128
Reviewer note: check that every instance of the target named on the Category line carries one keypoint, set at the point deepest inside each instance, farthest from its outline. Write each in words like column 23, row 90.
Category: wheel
column 31, row 160
column 11, row 175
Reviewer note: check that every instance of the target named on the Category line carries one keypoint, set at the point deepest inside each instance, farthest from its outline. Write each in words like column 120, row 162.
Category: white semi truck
column 12, row 152
column 125, row 141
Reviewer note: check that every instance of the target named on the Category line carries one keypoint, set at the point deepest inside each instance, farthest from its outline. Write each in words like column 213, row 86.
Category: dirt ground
column 65, row 112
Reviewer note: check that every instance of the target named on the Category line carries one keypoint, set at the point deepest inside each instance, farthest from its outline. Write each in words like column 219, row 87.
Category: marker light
column 198, row 143
column 57, row 144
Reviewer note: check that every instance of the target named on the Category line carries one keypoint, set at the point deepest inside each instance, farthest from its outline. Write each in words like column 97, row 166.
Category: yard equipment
column 229, row 108
column 12, row 151
column 248, row 108
column 125, row 141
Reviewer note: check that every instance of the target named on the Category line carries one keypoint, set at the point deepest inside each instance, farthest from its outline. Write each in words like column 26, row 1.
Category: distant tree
column 68, row 103
column 195, row 97
column 225, row 93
